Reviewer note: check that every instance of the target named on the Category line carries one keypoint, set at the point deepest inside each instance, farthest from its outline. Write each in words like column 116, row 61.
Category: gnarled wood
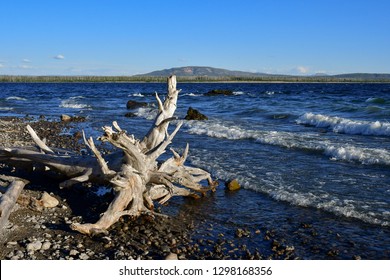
column 134, row 172
column 9, row 198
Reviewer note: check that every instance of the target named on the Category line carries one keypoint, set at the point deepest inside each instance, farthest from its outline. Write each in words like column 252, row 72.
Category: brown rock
column 48, row 201
column 131, row 104
column 171, row 256
column 66, row 118
column 216, row 92
column 233, row 185
column 193, row 114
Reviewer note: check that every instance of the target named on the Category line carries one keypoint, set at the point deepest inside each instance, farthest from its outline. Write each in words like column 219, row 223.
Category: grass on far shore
column 205, row 79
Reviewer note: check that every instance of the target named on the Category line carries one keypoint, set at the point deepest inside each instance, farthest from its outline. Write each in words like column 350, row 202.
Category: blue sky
column 124, row 37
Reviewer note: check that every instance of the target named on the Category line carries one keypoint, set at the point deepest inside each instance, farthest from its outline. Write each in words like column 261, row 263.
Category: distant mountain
column 202, row 71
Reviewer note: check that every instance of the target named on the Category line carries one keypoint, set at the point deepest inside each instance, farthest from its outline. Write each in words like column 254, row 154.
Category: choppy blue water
column 300, row 148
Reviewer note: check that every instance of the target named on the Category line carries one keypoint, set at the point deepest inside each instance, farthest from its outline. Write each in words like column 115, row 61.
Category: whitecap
column 291, row 140
column 137, row 94
column 6, row 108
column 77, row 97
column 191, row 94
column 276, row 186
column 368, row 156
column 73, row 104
column 345, row 208
column 376, row 100
column 16, row 98
column 148, row 113
column 346, row 126
column 238, row 92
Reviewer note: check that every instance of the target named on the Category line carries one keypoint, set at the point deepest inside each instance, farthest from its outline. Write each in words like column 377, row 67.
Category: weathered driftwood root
column 10, row 197
column 134, row 172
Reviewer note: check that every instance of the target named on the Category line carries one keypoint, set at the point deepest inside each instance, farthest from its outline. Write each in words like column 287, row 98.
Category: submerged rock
column 131, row 104
column 130, row 115
column 193, row 114
column 233, row 185
column 66, row 118
column 216, row 92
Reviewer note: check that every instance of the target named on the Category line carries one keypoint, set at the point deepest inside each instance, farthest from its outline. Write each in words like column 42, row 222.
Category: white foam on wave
column 377, row 100
column 367, row 156
column 238, row 92
column 274, row 185
column 148, row 113
column 347, row 126
column 74, row 104
column 16, row 98
column 291, row 140
column 77, row 97
column 191, row 94
column 137, row 94
column 346, row 208
column 6, row 108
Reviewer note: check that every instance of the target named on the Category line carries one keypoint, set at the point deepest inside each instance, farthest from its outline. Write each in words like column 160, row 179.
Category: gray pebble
column 83, row 256
column 46, row 245
column 73, row 252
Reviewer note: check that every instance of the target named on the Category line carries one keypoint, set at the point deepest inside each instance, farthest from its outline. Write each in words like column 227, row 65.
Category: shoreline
column 45, row 233
column 222, row 225
column 181, row 79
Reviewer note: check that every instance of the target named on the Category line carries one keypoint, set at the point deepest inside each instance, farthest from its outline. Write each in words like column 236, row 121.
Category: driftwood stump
column 134, row 172
column 10, row 197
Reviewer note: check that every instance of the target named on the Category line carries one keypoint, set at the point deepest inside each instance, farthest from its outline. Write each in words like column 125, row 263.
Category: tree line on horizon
column 356, row 78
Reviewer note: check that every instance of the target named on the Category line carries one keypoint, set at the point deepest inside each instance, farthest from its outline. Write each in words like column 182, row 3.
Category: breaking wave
column 376, row 100
column 73, row 103
column 16, row 98
column 292, row 140
column 6, row 108
column 347, row 126
column 272, row 184
column 137, row 94
column 148, row 113
column 191, row 94
column 346, row 208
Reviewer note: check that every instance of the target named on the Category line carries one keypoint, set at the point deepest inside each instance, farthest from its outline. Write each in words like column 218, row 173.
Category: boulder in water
column 130, row 115
column 233, row 185
column 66, row 118
column 193, row 114
column 131, row 104
column 216, row 92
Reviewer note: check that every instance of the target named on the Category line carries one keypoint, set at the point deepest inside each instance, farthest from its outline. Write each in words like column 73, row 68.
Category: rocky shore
column 44, row 233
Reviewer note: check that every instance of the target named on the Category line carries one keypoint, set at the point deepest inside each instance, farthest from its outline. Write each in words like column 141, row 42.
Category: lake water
column 304, row 153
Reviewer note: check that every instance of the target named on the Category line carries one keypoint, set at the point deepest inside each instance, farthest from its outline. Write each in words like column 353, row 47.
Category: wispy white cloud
column 2, row 65
column 25, row 60
column 25, row 66
column 59, row 56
